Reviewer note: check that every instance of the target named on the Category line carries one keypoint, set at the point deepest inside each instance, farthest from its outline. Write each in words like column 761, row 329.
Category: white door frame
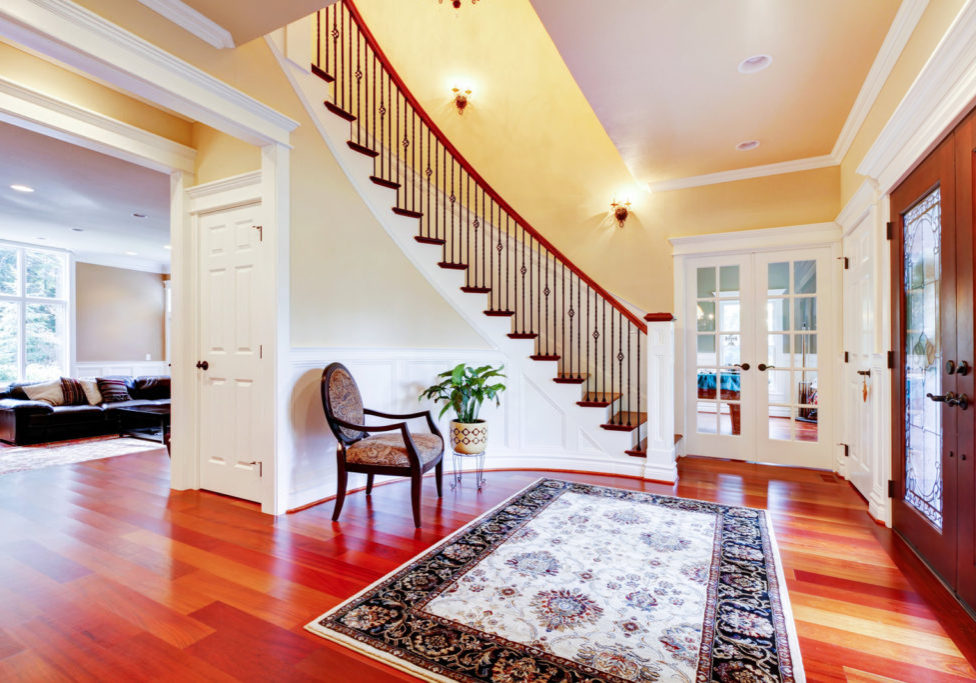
column 85, row 41
column 685, row 249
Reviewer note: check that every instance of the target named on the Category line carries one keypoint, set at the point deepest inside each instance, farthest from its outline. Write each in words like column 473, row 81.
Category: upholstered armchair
column 393, row 450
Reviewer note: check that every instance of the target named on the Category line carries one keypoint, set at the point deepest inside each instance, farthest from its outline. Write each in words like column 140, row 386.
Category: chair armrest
column 408, row 416
column 412, row 455
column 20, row 406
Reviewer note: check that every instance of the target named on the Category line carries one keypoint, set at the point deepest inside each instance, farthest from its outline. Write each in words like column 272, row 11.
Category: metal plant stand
column 457, row 462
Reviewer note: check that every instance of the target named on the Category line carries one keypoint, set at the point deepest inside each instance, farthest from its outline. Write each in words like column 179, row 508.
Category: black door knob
column 763, row 367
column 963, row 368
column 203, row 365
column 950, row 367
column 942, row 398
column 961, row 401
column 743, row 366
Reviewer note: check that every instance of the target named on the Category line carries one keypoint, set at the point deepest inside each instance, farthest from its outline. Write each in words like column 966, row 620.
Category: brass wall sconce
column 620, row 211
column 460, row 99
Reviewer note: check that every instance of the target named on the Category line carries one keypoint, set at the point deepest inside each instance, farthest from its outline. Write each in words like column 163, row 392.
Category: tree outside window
column 33, row 313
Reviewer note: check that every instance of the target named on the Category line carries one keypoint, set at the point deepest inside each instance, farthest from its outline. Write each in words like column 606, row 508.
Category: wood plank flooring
column 107, row 575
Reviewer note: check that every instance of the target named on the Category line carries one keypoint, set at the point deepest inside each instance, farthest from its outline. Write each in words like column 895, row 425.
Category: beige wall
column 937, row 18
column 220, row 155
column 119, row 314
column 58, row 82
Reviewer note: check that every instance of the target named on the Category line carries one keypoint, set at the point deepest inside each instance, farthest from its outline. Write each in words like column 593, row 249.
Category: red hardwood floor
column 107, row 575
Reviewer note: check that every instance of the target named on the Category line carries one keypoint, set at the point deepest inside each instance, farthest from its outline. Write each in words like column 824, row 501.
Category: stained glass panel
column 923, row 357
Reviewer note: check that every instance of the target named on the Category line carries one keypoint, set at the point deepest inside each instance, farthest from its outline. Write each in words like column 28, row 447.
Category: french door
column 933, row 388
column 756, row 379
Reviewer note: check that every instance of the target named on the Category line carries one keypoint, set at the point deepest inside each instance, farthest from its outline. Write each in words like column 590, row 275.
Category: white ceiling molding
column 940, row 96
column 902, row 27
column 28, row 108
column 857, row 207
column 84, row 40
column 744, row 173
column 117, row 261
column 765, row 239
column 189, row 19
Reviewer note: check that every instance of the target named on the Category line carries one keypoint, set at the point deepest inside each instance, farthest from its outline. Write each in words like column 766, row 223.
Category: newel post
column 661, row 462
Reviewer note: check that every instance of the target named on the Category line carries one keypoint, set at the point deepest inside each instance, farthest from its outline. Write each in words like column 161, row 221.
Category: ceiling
column 250, row 19
column 76, row 188
column 662, row 76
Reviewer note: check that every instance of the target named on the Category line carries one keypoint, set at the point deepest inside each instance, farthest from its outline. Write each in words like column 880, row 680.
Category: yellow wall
column 220, row 155
column 119, row 314
column 934, row 22
column 58, row 82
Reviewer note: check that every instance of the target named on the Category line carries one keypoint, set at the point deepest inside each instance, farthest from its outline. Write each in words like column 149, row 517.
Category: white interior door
column 718, row 352
column 757, row 370
column 794, row 406
column 859, row 332
column 233, row 384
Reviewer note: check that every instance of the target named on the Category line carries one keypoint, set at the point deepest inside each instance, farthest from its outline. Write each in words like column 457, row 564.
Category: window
column 33, row 313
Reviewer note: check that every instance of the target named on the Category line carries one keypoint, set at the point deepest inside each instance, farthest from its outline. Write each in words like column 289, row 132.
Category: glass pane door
column 719, row 350
column 792, row 293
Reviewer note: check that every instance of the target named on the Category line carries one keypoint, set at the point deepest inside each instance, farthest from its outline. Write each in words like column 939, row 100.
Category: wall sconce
column 460, row 99
column 620, row 211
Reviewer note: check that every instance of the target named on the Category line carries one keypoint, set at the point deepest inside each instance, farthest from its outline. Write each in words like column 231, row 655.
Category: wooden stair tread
column 320, row 72
column 407, row 212
column 476, row 290
column 500, row 314
column 544, row 356
column 430, row 240
column 341, row 113
column 522, row 335
column 619, row 421
column 598, row 399
column 383, row 182
column 638, row 451
column 452, row 266
column 362, row 149
column 571, row 378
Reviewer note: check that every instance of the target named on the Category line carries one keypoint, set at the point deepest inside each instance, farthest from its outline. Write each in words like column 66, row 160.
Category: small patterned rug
column 575, row 582
column 22, row 458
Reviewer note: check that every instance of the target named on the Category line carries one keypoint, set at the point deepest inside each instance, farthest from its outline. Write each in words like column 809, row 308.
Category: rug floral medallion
column 568, row 582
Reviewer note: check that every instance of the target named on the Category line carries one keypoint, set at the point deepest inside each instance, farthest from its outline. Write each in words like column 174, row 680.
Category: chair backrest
column 341, row 399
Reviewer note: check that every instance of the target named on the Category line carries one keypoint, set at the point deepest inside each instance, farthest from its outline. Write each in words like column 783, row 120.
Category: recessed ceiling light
column 747, row 145
column 751, row 65
column 22, row 188
column 40, row 238
column 166, row 246
column 131, row 253
column 77, row 229
column 139, row 215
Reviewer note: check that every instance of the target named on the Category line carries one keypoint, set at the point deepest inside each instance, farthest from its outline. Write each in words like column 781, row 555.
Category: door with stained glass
column 927, row 403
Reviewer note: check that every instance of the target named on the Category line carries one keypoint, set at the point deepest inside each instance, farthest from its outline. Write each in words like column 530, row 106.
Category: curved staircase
column 592, row 348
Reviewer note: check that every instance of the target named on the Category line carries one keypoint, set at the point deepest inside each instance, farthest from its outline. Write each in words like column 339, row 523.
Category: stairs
column 562, row 316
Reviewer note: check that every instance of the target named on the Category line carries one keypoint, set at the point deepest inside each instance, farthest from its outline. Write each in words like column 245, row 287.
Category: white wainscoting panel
column 528, row 431
column 134, row 368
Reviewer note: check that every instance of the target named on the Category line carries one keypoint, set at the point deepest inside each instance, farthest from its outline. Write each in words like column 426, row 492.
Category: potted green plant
column 464, row 389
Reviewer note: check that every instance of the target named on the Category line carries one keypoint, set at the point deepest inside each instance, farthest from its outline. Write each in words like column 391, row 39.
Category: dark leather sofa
column 23, row 421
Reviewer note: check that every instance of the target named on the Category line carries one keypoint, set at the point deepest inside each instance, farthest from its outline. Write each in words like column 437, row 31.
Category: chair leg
column 415, row 481
column 439, row 478
column 369, row 484
column 340, row 494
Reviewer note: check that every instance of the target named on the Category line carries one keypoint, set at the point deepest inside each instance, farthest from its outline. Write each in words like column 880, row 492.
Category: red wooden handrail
column 385, row 61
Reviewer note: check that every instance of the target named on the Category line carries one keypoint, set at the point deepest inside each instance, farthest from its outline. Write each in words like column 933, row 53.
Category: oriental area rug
column 571, row 582
column 22, row 458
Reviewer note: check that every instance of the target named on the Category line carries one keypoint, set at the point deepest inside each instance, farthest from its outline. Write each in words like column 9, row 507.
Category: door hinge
column 847, row 357
column 847, row 449
column 891, row 230
column 260, row 465
column 891, row 360
column 891, row 488
column 847, row 262
column 260, row 351
column 260, row 229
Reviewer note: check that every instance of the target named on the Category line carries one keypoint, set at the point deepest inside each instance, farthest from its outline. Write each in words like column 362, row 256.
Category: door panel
column 924, row 320
column 233, row 386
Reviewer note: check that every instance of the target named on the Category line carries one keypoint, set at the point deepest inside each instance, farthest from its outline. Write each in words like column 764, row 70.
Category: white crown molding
column 238, row 190
column 119, row 261
column 189, row 19
column 902, row 27
column 857, row 206
column 28, row 108
column 778, row 168
column 765, row 239
column 74, row 35
column 939, row 97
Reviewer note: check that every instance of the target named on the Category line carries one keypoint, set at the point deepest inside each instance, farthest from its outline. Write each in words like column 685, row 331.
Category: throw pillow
column 48, row 392
column 90, row 385
column 112, row 390
column 74, row 393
